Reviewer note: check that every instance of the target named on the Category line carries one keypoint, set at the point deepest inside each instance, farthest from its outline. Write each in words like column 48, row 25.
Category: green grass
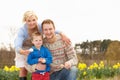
column 6, row 75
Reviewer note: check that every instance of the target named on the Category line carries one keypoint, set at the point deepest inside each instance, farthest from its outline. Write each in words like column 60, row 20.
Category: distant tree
column 113, row 51
column 77, row 45
column 96, row 45
column 85, row 44
column 104, row 45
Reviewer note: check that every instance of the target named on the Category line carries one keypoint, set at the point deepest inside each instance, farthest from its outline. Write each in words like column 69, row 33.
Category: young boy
column 40, row 58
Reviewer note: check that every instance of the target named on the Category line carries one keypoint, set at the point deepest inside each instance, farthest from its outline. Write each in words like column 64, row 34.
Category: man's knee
column 74, row 69
column 73, row 73
column 65, row 71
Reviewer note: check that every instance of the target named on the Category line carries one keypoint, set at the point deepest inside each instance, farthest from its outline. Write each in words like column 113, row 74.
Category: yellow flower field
column 98, row 71
column 95, row 71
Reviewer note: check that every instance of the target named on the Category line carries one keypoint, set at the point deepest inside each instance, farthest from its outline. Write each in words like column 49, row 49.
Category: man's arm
column 71, row 54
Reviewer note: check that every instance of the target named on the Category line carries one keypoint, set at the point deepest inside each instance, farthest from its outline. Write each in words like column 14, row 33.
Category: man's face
column 48, row 30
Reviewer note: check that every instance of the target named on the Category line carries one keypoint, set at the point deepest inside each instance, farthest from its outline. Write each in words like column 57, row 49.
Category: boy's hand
column 40, row 66
column 42, row 60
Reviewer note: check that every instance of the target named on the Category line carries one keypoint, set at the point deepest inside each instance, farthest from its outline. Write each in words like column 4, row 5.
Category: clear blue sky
column 80, row 20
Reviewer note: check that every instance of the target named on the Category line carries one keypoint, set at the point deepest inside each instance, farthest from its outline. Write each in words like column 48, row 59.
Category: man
column 64, row 56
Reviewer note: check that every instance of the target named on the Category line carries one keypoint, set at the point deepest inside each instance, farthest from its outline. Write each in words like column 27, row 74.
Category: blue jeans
column 73, row 73
column 60, row 75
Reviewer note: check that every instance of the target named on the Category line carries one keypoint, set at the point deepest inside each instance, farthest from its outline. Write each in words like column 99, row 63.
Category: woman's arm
column 65, row 38
column 19, row 40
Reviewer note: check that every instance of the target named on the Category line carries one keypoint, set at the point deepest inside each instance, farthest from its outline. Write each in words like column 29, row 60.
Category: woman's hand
column 65, row 38
column 24, row 52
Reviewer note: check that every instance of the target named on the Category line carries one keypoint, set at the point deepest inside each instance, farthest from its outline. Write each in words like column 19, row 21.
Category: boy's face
column 37, row 41
column 48, row 30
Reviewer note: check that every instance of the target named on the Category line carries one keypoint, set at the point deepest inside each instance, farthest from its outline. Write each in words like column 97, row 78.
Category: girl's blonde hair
column 29, row 14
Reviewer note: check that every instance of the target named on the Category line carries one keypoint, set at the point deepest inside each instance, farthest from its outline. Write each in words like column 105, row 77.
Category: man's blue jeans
column 73, row 73
column 60, row 75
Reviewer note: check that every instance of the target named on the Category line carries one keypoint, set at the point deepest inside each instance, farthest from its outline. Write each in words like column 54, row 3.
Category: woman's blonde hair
column 29, row 14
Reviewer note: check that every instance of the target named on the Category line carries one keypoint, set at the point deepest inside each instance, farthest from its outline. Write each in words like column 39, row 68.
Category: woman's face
column 31, row 22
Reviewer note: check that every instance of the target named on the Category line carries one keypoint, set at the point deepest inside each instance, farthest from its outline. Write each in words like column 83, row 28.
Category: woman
column 22, row 41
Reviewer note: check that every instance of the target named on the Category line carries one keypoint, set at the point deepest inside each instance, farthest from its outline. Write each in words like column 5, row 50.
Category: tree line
column 107, row 50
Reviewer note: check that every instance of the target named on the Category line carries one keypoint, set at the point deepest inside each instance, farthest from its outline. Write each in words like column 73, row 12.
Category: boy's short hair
column 36, row 34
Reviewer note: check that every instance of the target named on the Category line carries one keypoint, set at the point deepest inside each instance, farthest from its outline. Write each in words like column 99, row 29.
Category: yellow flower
column 6, row 68
column 95, row 65
column 82, row 66
column 101, row 65
column 91, row 67
column 101, row 62
column 17, row 69
column 118, row 64
column 84, row 73
column 11, row 69
column 115, row 66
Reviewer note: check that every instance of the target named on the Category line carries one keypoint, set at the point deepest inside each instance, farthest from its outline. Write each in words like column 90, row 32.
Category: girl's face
column 31, row 22
column 48, row 30
column 37, row 41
